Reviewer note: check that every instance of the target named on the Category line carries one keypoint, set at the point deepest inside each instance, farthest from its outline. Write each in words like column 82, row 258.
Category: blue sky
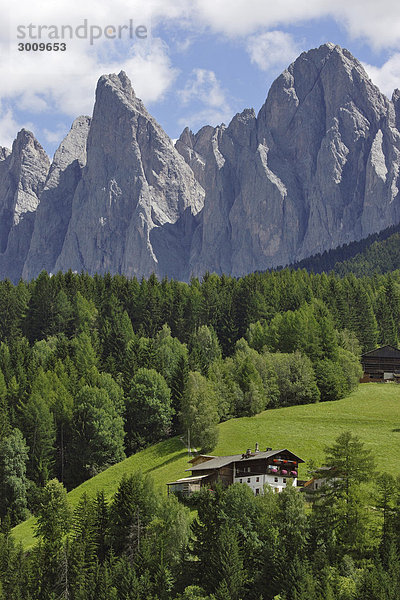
column 203, row 60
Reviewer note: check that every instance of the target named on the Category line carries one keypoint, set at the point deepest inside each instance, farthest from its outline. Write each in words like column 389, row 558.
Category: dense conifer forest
column 93, row 369
column 340, row 542
column 378, row 253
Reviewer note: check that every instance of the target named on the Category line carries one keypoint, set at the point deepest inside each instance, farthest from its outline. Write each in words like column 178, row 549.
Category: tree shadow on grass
column 396, row 430
column 169, row 446
column 168, row 461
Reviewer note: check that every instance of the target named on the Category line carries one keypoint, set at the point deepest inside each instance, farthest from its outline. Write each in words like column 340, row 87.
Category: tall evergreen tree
column 133, row 505
column 227, row 573
column 40, row 432
column 53, row 521
column 13, row 480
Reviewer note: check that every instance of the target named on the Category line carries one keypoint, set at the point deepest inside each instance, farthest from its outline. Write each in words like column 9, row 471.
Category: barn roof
column 222, row 461
column 383, row 352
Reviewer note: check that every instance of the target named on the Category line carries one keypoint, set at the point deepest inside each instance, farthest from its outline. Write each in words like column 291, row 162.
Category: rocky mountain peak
column 305, row 174
column 29, row 166
column 118, row 90
column 54, row 211
column 187, row 138
column 73, row 146
column 22, row 180
column 137, row 196
column 317, row 167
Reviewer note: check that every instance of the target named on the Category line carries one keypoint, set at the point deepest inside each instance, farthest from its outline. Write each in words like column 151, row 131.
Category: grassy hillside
column 372, row 412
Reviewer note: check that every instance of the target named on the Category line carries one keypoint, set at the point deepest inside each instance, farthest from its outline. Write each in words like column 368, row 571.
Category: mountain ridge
column 317, row 167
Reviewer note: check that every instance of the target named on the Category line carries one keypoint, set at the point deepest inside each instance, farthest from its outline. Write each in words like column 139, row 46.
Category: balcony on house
column 254, row 468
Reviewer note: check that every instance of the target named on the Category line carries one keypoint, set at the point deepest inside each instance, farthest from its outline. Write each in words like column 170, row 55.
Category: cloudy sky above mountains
column 202, row 61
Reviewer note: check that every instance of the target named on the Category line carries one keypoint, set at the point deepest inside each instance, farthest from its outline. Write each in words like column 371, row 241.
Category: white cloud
column 243, row 17
column 272, row 49
column 56, row 135
column 204, row 91
column 206, row 116
column 203, row 86
column 9, row 126
column 377, row 22
column 32, row 102
column 65, row 83
column 151, row 72
column 386, row 77
column 184, row 44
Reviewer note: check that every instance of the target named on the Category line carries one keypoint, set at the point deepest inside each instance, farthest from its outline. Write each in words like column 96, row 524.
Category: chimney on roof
column 248, row 453
column 257, row 448
column 268, row 449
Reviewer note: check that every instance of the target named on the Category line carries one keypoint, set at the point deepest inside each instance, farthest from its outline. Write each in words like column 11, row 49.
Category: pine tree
column 83, row 559
column 385, row 502
column 362, row 318
column 292, row 523
column 343, row 498
column 133, row 505
column 227, row 575
column 179, row 382
column 13, row 480
column 53, row 521
column 101, row 526
column 40, row 435
column 4, row 416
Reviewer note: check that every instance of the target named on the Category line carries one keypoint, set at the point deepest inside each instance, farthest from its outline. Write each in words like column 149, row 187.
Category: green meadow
column 372, row 412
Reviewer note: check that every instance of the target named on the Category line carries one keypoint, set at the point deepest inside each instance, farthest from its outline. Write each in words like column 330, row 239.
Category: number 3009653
column 42, row 47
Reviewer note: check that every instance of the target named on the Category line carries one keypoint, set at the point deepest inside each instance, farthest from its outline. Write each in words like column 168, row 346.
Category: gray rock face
column 316, row 168
column 22, row 176
column 54, row 211
column 134, row 210
column 193, row 148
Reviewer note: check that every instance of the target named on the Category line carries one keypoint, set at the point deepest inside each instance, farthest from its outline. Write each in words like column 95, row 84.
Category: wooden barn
column 381, row 364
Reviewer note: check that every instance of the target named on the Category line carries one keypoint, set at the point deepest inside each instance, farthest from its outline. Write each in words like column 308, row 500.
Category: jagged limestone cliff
column 316, row 168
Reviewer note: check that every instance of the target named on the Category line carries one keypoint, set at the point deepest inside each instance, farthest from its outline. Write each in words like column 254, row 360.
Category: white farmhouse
column 273, row 467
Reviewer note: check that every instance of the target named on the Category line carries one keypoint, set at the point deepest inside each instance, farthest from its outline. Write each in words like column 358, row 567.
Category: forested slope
column 372, row 412
column 378, row 253
column 94, row 369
